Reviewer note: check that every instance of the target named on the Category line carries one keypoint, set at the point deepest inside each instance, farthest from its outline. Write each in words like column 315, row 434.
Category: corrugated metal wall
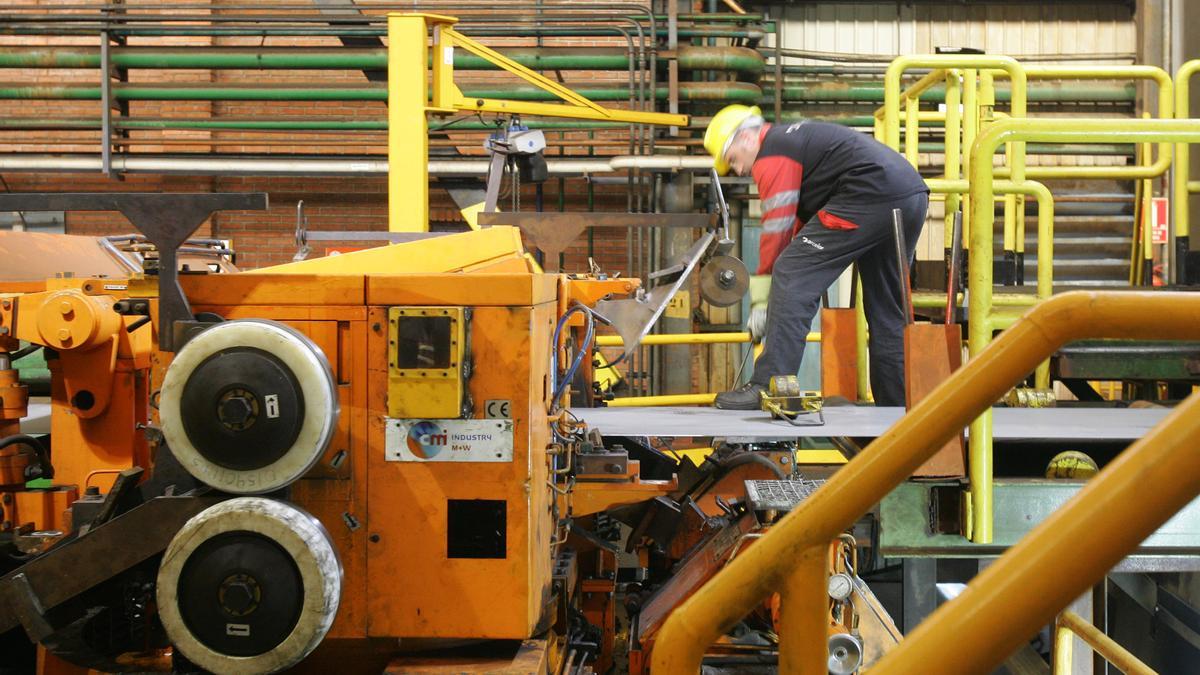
column 1102, row 29
column 1053, row 32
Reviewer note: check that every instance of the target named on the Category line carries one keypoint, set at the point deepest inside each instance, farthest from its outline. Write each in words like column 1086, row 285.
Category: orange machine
column 302, row 464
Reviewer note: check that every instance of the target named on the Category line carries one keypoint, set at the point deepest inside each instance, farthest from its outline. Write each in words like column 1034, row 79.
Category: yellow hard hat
column 721, row 129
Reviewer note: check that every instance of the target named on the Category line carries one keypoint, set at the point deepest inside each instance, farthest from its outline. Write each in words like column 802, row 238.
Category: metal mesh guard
column 779, row 495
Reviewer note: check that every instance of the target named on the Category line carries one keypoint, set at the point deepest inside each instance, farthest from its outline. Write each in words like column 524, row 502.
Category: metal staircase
column 1093, row 233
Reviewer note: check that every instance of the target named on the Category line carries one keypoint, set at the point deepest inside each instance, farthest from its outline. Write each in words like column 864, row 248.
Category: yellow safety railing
column 1081, row 542
column 663, row 400
column 1182, row 184
column 688, row 339
column 678, row 339
column 1166, row 110
column 1069, row 624
column 1045, row 254
column 983, row 319
column 962, row 75
column 989, row 311
column 978, row 98
column 790, row 558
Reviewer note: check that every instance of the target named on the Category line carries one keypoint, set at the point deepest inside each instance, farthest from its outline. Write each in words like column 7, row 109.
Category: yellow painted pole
column 689, row 339
column 970, row 131
column 1064, row 650
column 953, row 160
column 863, row 371
column 408, row 136
column 1069, row 624
column 891, row 459
column 1045, row 259
column 1147, row 217
column 1180, row 179
column 669, row 399
column 803, row 629
column 1081, row 542
column 912, row 106
column 980, row 324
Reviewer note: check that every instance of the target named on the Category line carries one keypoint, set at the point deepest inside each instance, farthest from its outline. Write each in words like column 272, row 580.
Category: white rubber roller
column 216, row 539
column 289, row 352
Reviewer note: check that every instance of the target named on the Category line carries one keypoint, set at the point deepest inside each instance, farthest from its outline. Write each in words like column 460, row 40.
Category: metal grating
column 779, row 495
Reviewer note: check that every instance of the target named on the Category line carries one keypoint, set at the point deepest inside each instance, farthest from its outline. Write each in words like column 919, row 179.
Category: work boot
column 746, row 397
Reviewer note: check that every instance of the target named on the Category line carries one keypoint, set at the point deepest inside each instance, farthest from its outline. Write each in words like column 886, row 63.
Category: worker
column 827, row 195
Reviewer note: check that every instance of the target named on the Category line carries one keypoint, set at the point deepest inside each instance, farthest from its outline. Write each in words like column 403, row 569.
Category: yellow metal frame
column 983, row 320
column 689, row 339
column 665, row 400
column 1069, row 624
column 790, row 558
column 978, row 97
column 1182, row 184
column 1166, row 108
column 408, row 142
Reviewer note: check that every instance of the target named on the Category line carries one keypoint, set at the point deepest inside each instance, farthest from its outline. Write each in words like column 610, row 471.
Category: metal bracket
column 56, row 576
column 167, row 220
column 552, row 232
column 634, row 317
column 302, row 247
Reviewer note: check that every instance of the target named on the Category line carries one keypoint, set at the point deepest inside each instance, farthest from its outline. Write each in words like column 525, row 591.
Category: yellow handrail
column 1181, row 181
column 1045, row 253
column 790, row 556
column 1166, row 108
column 981, row 321
column 940, row 62
column 1081, row 542
column 1069, row 624
column 689, row 339
column 664, row 400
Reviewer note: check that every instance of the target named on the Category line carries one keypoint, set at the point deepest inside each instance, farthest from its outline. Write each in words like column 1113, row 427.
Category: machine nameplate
column 449, row 440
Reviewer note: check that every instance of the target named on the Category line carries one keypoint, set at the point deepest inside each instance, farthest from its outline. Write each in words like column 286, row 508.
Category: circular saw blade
column 724, row 280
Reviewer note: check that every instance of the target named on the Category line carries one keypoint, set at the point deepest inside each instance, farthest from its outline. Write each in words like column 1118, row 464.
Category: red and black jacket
column 808, row 168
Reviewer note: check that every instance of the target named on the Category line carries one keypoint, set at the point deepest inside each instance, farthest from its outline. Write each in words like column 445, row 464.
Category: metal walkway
column 1011, row 424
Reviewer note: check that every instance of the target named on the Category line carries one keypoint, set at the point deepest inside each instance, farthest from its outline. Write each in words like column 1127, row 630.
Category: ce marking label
column 498, row 409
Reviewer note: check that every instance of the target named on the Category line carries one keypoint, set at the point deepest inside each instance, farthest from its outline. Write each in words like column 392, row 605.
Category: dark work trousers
column 814, row 259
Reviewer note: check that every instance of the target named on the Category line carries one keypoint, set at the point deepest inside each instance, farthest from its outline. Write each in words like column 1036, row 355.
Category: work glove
column 760, row 291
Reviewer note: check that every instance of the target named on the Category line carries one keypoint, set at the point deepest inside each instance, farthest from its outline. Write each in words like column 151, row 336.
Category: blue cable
column 580, row 352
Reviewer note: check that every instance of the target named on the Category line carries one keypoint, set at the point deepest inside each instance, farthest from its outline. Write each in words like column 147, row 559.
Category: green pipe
column 596, row 58
column 738, row 59
column 733, row 92
column 873, row 92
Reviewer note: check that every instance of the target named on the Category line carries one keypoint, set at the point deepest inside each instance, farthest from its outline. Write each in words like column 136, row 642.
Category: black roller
column 242, row 408
column 248, row 586
column 240, row 594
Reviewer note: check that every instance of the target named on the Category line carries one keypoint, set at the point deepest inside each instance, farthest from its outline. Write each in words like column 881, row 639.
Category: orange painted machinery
column 361, row 462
